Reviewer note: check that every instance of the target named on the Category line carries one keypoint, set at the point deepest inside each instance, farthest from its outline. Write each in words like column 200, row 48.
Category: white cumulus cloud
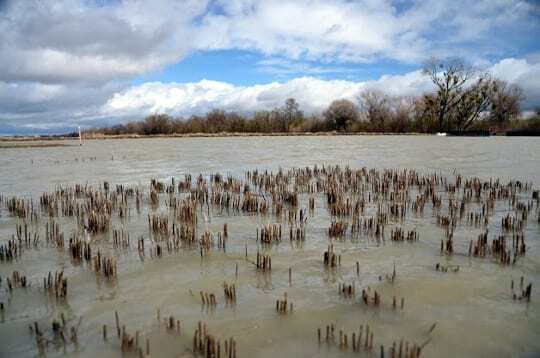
column 313, row 94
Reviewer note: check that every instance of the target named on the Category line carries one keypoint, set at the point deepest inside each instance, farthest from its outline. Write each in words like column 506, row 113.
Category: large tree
column 216, row 121
column 450, row 78
column 473, row 102
column 156, row 124
column 376, row 107
column 291, row 113
column 402, row 114
column 340, row 114
column 505, row 102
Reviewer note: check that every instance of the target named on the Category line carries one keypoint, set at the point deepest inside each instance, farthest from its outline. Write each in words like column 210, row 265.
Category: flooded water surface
column 449, row 228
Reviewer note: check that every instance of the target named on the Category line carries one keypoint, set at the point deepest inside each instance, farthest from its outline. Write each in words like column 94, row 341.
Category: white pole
column 80, row 137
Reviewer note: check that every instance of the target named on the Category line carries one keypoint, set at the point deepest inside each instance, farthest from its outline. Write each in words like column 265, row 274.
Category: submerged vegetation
column 463, row 100
column 378, row 209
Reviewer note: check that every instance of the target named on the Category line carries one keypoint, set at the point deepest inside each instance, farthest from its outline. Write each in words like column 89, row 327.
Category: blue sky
column 66, row 63
column 245, row 68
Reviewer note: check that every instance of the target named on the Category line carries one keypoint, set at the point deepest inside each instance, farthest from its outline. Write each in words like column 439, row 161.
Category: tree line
column 463, row 99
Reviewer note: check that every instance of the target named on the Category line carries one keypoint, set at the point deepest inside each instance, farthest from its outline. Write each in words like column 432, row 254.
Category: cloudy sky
column 65, row 63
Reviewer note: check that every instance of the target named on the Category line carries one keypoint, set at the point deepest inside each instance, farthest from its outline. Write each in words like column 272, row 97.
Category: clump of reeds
column 209, row 345
column 98, row 222
column 375, row 300
column 25, row 237
column 264, row 262
column 80, row 250
column 21, row 208
column 361, row 341
column 56, row 286
column 346, row 291
column 330, row 258
column 172, row 324
column 17, row 280
column 10, row 251
column 311, row 205
column 121, row 239
column 158, row 224
column 186, row 211
column 338, row 228
column 60, row 334
column 229, row 291
column 105, row 266
column 404, row 350
column 208, row 299
column 297, row 233
column 524, row 293
column 400, row 235
column 154, row 198
column 282, row 307
column 53, row 235
column 499, row 249
column 269, row 234
column 133, row 343
column 447, row 246
column 446, row 268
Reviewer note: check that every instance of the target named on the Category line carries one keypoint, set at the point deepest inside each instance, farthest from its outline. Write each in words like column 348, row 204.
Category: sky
column 67, row 63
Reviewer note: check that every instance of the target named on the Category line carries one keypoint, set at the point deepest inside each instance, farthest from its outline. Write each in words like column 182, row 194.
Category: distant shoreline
column 94, row 136
column 98, row 136
column 13, row 144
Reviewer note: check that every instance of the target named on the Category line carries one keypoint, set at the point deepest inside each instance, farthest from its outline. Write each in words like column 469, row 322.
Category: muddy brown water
column 473, row 308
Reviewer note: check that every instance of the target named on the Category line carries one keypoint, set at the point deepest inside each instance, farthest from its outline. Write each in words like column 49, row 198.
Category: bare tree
column 423, row 114
column 473, row 102
column 291, row 112
column 402, row 113
column 340, row 114
column 156, row 124
column 216, row 121
column 375, row 105
column 505, row 102
column 449, row 77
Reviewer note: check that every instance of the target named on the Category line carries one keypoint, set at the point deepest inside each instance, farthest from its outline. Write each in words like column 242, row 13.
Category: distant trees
column 505, row 103
column 340, row 114
column 156, row 124
column 402, row 115
column 216, row 121
column 291, row 112
column 376, row 107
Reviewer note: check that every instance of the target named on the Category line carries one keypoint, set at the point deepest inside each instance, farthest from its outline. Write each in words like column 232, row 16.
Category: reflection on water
column 473, row 308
